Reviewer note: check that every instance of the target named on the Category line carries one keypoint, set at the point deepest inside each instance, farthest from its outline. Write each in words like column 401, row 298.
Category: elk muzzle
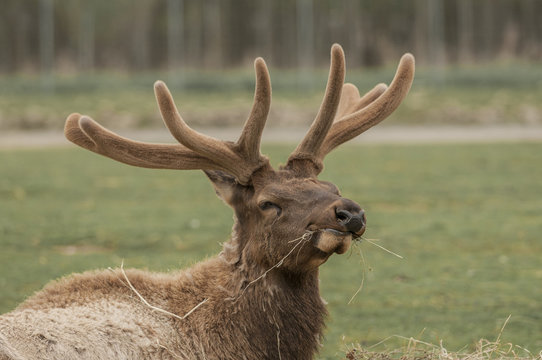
column 350, row 223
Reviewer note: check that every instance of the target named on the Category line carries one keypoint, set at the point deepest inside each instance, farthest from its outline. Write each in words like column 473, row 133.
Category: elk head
column 276, row 211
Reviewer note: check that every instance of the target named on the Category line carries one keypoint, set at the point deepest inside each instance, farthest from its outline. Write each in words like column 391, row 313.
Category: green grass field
column 466, row 218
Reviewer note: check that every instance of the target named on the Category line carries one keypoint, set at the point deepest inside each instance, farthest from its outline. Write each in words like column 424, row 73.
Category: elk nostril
column 343, row 215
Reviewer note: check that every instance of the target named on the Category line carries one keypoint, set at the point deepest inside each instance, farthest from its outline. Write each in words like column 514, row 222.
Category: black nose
column 352, row 222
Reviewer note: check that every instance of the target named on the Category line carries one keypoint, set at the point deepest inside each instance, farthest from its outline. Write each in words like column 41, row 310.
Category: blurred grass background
column 495, row 94
column 466, row 219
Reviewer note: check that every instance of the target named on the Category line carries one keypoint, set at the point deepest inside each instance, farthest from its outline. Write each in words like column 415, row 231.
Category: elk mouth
column 331, row 241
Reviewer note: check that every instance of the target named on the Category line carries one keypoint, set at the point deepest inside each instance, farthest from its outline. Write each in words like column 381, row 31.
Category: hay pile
column 419, row 350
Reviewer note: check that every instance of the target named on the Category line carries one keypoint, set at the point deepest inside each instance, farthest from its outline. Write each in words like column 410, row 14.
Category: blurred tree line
column 64, row 35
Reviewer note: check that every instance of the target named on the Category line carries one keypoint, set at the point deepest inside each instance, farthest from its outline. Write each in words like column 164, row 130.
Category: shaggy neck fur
column 283, row 311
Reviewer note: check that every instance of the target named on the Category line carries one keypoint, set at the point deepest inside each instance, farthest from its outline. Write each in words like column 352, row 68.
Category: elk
column 259, row 298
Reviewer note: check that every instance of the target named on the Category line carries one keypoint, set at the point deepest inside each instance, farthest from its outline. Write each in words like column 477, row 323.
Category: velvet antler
column 314, row 138
column 196, row 151
column 352, row 113
column 360, row 115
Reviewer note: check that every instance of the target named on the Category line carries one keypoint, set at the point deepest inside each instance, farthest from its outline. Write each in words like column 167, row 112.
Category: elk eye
column 266, row 205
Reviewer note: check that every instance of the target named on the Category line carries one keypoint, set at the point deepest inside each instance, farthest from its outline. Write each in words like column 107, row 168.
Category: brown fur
column 259, row 298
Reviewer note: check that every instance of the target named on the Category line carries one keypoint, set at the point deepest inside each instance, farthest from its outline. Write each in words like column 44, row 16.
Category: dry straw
column 420, row 350
column 155, row 308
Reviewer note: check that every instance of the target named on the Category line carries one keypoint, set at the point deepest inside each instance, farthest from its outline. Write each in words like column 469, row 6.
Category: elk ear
column 224, row 185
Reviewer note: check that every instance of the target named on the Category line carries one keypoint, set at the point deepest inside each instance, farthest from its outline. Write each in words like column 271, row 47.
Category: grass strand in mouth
column 372, row 241
column 363, row 262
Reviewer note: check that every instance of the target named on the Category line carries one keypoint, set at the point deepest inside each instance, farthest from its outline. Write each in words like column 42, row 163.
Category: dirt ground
column 382, row 134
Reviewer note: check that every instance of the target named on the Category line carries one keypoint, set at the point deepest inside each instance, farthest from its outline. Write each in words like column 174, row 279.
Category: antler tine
column 88, row 134
column 220, row 152
column 73, row 132
column 249, row 141
column 349, row 95
column 314, row 138
column 378, row 109
column 203, row 144
column 351, row 101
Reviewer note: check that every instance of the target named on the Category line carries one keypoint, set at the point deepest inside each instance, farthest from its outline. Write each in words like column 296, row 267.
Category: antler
column 354, row 114
column 372, row 108
column 197, row 151
column 315, row 136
